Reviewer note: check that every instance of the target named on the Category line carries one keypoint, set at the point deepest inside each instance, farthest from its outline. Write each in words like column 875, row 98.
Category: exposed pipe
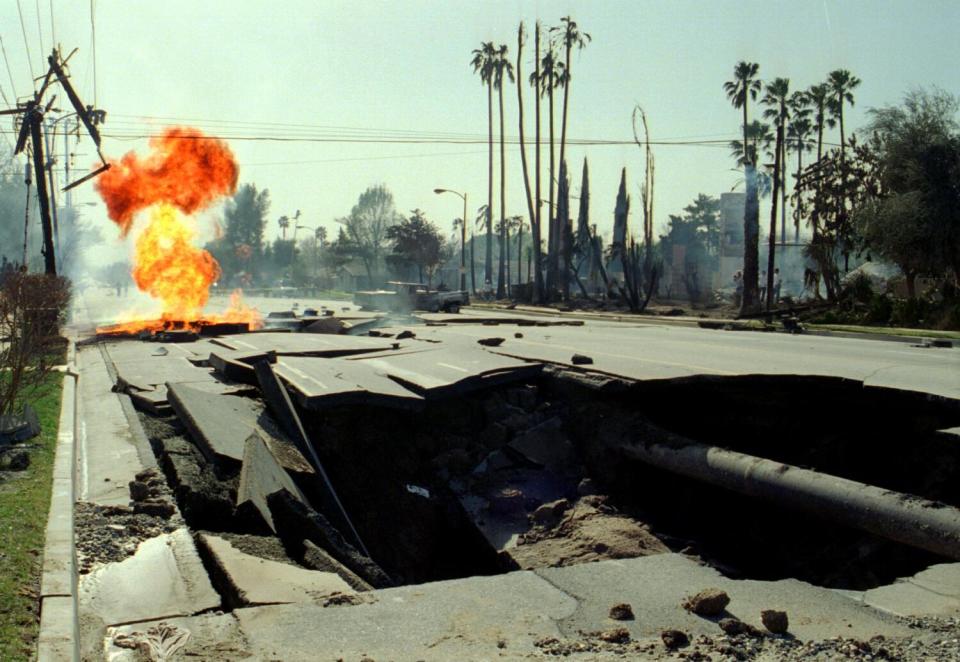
column 905, row 518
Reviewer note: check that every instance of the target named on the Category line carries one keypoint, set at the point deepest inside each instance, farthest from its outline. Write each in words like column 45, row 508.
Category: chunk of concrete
column 295, row 522
column 468, row 619
column 163, row 579
column 251, row 580
column 318, row 559
column 260, row 476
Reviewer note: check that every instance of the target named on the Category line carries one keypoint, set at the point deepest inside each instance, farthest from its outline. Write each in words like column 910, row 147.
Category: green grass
column 887, row 330
column 24, row 504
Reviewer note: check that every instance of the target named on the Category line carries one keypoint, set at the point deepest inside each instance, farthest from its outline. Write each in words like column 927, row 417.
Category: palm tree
column 550, row 77
column 523, row 149
column 284, row 223
column 842, row 83
column 518, row 225
column 819, row 98
column 776, row 97
column 758, row 136
column 483, row 64
column 571, row 38
column 535, row 218
column 744, row 87
column 502, row 67
column 798, row 136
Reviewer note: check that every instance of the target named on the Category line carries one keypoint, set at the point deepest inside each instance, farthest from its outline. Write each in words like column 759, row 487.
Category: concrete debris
column 406, row 334
column 491, row 342
column 674, row 639
column 616, row 635
column 734, row 627
column 708, row 602
column 260, row 476
column 581, row 359
column 318, row 559
column 775, row 620
column 621, row 612
column 295, row 522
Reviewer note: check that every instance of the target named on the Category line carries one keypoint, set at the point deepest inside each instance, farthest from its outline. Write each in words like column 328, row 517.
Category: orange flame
column 186, row 171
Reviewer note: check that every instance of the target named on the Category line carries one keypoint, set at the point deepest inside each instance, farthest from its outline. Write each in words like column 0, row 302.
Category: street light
column 463, row 236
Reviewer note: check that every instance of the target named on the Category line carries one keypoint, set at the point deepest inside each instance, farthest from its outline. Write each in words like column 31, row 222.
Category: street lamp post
column 463, row 237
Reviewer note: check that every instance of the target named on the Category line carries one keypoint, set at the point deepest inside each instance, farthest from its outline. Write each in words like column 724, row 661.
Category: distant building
column 732, row 207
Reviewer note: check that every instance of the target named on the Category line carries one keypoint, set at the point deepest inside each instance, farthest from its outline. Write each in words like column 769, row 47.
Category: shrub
column 32, row 310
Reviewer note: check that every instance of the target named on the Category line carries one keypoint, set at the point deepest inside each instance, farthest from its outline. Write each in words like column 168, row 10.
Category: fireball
column 185, row 173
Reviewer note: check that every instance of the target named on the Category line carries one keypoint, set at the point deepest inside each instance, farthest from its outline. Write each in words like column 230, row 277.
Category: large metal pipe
column 905, row 518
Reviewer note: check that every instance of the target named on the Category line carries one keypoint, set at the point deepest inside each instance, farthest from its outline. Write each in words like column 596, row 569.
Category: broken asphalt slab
column 324, row 383
column 220, row 424
column 260, row 476
column 453, row 371
column 304, row 344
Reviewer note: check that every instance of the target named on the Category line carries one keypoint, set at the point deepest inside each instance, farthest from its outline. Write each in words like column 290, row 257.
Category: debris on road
column 775, row 620
column 708, row 602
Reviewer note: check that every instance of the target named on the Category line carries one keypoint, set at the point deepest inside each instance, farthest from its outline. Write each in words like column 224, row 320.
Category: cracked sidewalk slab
column 163, row 579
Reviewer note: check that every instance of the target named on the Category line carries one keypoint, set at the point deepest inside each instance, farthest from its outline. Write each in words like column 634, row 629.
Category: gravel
column 106, row 534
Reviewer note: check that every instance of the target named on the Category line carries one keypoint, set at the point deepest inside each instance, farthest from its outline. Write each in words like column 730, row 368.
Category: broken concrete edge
column 59, row 635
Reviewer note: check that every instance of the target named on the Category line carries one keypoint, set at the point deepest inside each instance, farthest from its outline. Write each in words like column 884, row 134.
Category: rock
column 518, row 335
column 708, row 602
column 581, row 359
column 550, row 512
column 774, row 620
column 15, row 459
column 506, row 501
column 406, row 334
column 139, row 491
column 587, row 487
column 155, row 508
column 621, row 612
column 674, row 639
column 616, row 635
column 455, row 461
column 491, row 342
column 734, row 626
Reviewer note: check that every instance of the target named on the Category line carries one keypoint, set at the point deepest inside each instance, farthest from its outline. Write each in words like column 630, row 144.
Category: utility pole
column 31, row 128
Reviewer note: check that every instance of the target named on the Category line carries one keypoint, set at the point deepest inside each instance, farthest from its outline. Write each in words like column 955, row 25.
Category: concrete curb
column 59, row 637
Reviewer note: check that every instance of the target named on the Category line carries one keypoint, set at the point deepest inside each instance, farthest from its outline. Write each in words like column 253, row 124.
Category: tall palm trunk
column 796, row 188
column 783, row 186
column 749, row 301
column 552, row 240
column 488, row 262
column 473, row 262
column 843, row 182
column 520, row 252
column 536, row 229
column 523, row 148
column 501, row 291
column 506, row 242
column 566, row 97
column 772, row 244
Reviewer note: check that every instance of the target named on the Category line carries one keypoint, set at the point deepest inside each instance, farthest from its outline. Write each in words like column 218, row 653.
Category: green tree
column 483, row 63
column 914, row 219
column 240, row 251
column 698, row 231
column 745, row 87
column 366, row 229
column 418, row 242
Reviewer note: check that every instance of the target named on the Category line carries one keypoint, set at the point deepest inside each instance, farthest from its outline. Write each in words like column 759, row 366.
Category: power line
column 13, row 88
column 26, row 46
column 93, row 48
column 40, row 30
column 53, row 28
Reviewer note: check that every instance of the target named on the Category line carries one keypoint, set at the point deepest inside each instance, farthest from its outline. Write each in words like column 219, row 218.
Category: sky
column 312, row 96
